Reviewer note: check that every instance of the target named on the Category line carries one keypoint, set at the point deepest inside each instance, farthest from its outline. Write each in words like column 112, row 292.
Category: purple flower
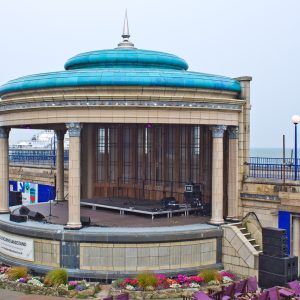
column 79, row 287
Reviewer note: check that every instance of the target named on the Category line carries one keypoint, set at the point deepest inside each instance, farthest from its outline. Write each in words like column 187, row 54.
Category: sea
column 272, row 152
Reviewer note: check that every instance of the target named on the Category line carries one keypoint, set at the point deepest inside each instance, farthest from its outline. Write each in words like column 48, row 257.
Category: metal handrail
column 255, row 216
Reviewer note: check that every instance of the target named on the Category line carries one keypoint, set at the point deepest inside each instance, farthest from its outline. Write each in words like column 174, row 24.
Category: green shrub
column 56, row 277
column 209, row 275
column 147, row 280
column 16, row 273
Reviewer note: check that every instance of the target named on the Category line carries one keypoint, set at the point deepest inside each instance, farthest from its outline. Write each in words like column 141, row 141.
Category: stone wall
column 148, row 256
column 238, row 255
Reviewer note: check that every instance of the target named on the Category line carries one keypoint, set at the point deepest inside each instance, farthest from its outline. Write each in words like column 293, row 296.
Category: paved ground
column 11, row 295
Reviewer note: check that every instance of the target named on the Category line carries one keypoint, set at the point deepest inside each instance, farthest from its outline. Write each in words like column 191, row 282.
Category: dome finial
column 125, row 43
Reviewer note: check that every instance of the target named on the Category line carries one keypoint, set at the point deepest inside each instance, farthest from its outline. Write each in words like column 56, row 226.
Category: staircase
column 240, row 250
column 248, row 236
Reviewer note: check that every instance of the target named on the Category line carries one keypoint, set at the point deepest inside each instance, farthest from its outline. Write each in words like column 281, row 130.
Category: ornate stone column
column 90, row 161
column 217, row 174
column 4, row 168
column 296, row 238
column 233, row 169
column 60, row 134
column 74, row 176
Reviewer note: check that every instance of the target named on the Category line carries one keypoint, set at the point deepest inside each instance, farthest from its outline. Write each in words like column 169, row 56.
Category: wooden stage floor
column 109, row 218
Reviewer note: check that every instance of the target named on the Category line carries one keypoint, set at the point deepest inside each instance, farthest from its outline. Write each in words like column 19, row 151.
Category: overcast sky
column 260, row 38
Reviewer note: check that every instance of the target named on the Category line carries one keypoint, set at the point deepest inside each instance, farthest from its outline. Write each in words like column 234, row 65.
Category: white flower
column 35, row 282
column 226, row 279
column 213, row 282
column 63, row 286
column 174, row 286
column 194, row 285
column 3, row 276
column 129, row 287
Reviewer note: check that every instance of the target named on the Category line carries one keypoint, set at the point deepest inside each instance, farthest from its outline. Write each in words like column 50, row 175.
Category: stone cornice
column 121, row 103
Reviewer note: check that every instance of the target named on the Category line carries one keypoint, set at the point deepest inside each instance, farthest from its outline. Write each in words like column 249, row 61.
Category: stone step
column 251, row 240
column 256, row 246
column 246, row 234
column 238, row 224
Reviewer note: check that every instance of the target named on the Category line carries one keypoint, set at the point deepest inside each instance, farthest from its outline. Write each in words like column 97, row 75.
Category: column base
column 216, row 221
column 73, row 226
column 232, row 219
column 4, row 211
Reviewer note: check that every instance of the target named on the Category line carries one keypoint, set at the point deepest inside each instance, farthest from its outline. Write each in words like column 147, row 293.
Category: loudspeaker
column 275, row 241
column 36, row 216
column 279, row 251
column 272, row 232
column 15, row 198
column 18, row 218
column 24, row 210
column 287, row 266
column 267, row 279
column 85, row 221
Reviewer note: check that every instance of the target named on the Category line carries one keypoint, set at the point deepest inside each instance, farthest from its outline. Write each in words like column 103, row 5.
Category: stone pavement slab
column 11, row 295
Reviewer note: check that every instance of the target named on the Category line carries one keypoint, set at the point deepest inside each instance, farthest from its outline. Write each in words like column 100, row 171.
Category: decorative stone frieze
column 233, row 132
column 217, row 131
column 74, row 129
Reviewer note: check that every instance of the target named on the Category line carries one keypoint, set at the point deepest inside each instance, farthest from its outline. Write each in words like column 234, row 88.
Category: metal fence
column 35, row 157
column 265, row 167
column 259, row 167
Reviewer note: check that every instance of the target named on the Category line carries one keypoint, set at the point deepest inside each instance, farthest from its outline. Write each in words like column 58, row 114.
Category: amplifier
column 287, row 266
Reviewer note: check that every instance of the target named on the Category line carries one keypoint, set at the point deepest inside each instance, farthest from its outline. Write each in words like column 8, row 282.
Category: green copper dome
column 122, row 67
column 123, row 58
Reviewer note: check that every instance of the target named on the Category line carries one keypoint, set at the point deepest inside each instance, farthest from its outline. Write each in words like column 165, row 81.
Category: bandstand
column 140, row 126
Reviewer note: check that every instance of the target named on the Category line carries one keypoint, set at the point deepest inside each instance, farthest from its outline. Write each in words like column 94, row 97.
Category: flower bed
column 158, row 286
column 143, row 286
column 43, row 286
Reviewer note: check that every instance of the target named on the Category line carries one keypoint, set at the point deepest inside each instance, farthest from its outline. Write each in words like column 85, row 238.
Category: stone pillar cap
column 244, row 78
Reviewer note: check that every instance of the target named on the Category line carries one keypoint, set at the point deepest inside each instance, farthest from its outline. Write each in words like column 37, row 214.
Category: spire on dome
column 125, row 43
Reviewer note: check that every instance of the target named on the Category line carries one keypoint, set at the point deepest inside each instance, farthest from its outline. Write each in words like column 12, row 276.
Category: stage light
column 149, row 125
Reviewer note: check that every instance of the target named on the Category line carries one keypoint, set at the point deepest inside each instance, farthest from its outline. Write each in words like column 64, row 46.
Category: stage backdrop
column 32, row 192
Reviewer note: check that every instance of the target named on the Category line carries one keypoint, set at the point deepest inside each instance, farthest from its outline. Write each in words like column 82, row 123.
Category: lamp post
column 296, row 120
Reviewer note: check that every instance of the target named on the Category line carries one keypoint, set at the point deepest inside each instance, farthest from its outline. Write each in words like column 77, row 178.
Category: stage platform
column 115, row 245
column 138, row 207
column 116, row 213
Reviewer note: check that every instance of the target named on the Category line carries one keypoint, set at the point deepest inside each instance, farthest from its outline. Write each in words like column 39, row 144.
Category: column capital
column 233, row 132
column 217, row 130
column 4, row 132
column 74, row 129
column 60, row 134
